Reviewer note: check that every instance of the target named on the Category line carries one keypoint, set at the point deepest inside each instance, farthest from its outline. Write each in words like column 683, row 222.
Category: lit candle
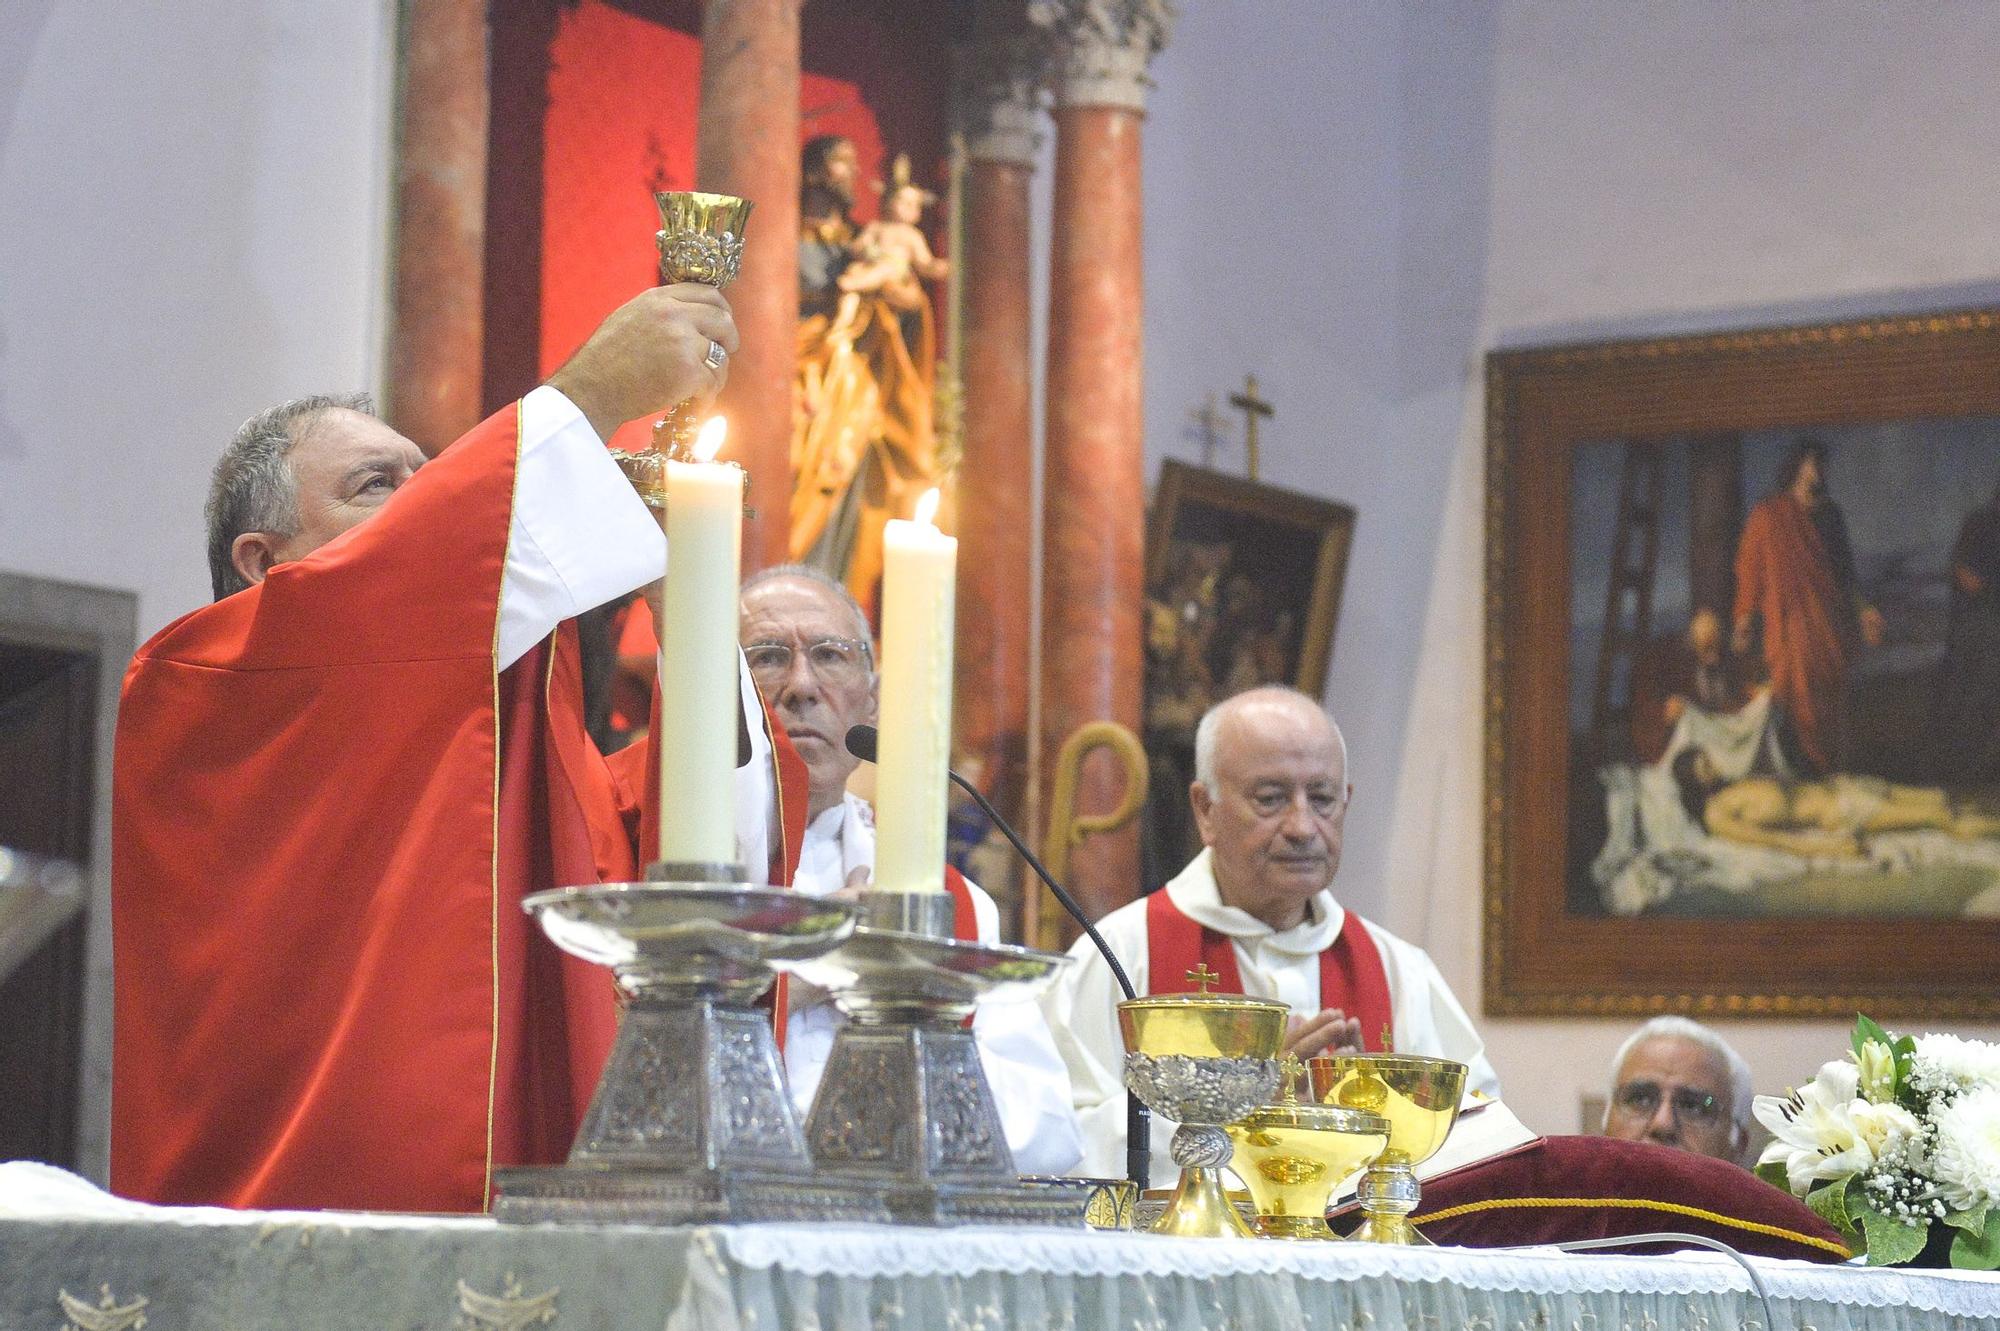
column 699, row 701
column 919, row 575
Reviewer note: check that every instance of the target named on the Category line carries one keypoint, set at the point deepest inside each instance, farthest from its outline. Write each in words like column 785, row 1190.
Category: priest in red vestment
column 1795, row 583
column 335, row 784
column 1256, row 907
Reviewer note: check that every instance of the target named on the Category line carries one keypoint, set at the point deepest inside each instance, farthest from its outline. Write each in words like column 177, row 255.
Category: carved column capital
column 1004, row 84
column 1104, row 47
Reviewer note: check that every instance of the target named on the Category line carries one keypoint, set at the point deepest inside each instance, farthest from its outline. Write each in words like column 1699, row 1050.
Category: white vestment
column 1022, row 1065
column 1283, row 965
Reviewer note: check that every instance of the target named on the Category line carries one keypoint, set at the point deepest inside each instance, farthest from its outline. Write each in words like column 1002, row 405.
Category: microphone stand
column 1138, row 1119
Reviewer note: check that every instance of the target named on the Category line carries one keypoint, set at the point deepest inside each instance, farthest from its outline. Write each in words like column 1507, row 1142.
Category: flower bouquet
column 1897, row 1146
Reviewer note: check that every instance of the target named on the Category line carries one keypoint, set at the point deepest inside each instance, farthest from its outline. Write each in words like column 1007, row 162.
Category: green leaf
column 1977, row 1252
column 1829, row 1203
column 1773, row 1173
column 1866, row 1029
column 1891, row 1242
column 1905, row 1050
column 1972, row 1222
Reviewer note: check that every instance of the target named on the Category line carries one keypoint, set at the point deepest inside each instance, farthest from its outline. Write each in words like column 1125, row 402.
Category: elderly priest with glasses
column 1256, row 906
column 808, row 647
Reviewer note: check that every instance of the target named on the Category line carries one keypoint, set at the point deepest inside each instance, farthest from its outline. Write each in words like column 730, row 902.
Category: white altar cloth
column 209, row 1268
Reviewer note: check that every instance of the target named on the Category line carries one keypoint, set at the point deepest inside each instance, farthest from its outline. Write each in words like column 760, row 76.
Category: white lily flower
column 1813, row 1129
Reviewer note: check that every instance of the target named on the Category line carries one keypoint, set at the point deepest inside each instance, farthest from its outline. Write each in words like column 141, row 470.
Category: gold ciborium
column 1202, row 1060
column 700, row 240
column 1293, row 1156
column 1419, row 1096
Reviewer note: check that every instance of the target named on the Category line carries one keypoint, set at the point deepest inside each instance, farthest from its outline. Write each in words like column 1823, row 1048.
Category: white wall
column 1358, row 200
column 193, row 223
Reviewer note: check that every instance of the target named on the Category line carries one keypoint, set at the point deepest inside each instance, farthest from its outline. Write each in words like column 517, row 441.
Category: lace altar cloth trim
column 769, row 1261
column 849, row 1252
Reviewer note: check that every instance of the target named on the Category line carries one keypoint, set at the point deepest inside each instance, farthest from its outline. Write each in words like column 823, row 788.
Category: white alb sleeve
column 1029, row 1080
column 581, row 535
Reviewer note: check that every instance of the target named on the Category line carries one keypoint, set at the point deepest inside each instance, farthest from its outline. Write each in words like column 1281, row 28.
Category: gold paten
column 1294, row 1156
column 1419, row 1097
column 1202, row 1060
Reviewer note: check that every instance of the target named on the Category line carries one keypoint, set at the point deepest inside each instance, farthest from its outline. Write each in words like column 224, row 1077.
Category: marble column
column 1094, row 478
column 1000, row 118
column 747, row 144
column 437, row 329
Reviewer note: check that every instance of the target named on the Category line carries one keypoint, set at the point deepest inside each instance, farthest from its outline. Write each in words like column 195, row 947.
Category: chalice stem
column 1389, row 1194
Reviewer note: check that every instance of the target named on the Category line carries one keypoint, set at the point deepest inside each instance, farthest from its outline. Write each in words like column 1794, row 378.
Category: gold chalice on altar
column 1420, row 1097
column 1202, row 1060
column 1293, row 1156
column 700, row 240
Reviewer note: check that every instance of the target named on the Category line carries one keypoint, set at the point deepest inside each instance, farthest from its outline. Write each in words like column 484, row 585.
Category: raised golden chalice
column 1419, row 1096
column 1293, row 1156
column 1202, row 1060
column 700, row 240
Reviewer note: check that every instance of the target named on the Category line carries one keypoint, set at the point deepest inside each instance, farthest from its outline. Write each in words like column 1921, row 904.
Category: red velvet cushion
column 1565, row 1188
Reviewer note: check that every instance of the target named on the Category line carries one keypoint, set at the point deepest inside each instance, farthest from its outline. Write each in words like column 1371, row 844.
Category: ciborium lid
column 1202, row 1024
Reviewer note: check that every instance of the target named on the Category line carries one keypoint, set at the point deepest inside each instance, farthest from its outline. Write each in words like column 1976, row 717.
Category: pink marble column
column 748, row 145
column 995, row 477
column 436, row 334
column 1094, row 478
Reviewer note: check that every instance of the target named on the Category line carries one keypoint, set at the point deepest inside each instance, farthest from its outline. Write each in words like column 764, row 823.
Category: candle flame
column 709, row 442
column 927, row 507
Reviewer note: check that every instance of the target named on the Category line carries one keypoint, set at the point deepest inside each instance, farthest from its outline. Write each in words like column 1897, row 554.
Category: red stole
column 1351, row 977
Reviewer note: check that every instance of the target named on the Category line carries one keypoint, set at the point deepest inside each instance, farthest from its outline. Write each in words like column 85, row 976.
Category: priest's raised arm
column 335, row 784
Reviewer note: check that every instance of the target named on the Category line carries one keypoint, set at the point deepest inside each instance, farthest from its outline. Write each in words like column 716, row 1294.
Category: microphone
column 862, row 742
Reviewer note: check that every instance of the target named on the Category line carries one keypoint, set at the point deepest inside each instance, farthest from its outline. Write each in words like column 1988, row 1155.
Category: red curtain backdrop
column 594, row 107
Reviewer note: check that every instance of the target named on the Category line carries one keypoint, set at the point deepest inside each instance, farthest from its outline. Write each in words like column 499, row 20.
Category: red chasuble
column 327, row 807
column 1351, row 977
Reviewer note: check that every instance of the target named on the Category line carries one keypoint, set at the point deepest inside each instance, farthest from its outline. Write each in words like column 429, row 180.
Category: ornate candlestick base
column 691, row 1122
column 904, row 1112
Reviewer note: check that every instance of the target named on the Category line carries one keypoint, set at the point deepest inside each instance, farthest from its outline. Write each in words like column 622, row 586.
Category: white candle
column 919, row 578
column 699, row 702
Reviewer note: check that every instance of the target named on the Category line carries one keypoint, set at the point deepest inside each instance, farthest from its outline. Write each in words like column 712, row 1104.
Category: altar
column 70, row 1252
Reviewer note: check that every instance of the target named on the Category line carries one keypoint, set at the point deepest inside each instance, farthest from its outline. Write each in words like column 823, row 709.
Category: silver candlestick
column 904, row 1112
column 691, row 1122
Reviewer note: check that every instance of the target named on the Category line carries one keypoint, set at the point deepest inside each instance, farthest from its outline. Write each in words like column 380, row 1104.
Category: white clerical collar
column 1195, row 892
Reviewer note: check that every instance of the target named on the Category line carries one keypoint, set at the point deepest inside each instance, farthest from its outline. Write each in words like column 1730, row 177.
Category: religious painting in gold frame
column 1742, row 705
column 1243, row 587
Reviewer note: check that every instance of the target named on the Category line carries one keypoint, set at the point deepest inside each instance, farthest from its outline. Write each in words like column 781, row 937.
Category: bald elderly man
column 1256, row 907
column 811, row 654
column 1678, row 1083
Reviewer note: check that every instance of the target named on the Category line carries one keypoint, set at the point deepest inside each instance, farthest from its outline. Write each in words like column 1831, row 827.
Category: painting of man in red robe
column 1796, row 591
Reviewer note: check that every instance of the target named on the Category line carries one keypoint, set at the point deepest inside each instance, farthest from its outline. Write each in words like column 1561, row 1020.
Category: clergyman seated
column 809, row 649
column 1256, row 906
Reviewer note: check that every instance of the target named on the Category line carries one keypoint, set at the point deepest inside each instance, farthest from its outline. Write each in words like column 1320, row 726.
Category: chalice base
column 1294, row 1227
column 1200, row 1208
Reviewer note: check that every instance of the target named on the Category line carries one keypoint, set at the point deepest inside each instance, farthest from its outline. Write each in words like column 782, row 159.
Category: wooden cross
column 1201, row 977
column 1252, row 406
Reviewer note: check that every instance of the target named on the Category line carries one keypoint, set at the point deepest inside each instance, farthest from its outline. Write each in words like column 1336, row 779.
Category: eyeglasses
column 1692, row 1108
column 835, row 661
